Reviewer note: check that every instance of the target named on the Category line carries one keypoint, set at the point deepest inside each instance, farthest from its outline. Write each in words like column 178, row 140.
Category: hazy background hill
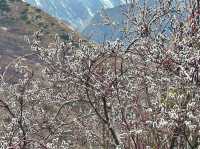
column 107, row 24
column 85, row 15
column 77, row 12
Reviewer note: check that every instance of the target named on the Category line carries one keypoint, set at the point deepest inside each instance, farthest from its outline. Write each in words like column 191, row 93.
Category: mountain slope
column 110, row 24
column 76, row 12
column 105, row 25
column 21, row 19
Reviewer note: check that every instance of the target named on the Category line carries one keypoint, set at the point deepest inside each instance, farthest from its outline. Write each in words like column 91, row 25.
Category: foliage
column 3, row 6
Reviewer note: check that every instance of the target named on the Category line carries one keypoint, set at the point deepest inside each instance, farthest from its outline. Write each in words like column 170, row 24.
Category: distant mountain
column 105, row 25
column 77, row 12
column 111, row 23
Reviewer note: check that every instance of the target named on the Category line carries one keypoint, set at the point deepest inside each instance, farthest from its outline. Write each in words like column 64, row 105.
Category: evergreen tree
column 3, row 6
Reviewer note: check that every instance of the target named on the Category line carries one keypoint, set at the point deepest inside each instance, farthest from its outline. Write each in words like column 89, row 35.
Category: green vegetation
column 3, row 7
column 64, row 36
column 7, row 22
column 24, row 17
column 38, row 10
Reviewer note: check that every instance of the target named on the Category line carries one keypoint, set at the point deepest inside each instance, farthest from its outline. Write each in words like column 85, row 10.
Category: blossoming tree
column 135, row 93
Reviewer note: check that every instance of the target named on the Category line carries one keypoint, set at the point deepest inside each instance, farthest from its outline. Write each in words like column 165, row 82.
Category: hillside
column 21, row 20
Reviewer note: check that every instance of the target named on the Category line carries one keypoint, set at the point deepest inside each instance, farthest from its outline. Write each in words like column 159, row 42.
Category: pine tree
column 3, row 6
